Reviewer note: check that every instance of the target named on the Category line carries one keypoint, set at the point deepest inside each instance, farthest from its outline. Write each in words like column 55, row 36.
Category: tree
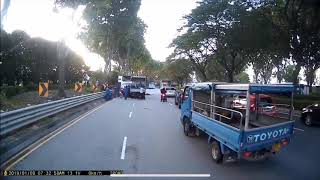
column 227, row 32
column 215, row 72
column 193, row 47
column 304, row 27
column 114, row 31
column 289, row 73
column 280, row 64
column 262, row 64
column 152, row 69
column 26, row 60
column 179, row 71
column 112, row 78
column 311, row 67
column 243, row 77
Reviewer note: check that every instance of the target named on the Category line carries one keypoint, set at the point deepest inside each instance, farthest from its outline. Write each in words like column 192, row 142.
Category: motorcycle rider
column 163, row 92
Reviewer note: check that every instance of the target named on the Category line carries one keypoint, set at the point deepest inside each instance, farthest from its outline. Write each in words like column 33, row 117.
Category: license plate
column 276, row 147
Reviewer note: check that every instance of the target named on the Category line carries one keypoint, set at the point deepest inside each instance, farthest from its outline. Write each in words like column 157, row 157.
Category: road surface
column 155, row 144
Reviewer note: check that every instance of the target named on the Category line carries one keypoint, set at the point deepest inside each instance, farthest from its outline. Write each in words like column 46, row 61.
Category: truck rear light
column 247, row 154
column 285, row 142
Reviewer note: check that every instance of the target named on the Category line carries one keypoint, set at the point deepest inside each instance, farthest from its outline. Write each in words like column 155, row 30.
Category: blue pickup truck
column 240, row 124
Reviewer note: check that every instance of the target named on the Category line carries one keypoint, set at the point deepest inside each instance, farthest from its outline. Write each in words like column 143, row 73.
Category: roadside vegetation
column 277, row 38
column 218, row 42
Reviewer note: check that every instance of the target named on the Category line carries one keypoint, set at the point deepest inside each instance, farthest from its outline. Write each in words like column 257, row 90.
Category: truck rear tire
column 308, row 120
column 216, row 153
column 187, row 127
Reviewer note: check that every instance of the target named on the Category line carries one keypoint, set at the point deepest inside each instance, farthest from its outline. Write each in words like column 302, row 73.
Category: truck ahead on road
column 138, row 87
column 245, row 132
column 124, row 81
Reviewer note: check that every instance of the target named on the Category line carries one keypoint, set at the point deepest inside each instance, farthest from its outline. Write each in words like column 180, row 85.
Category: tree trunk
column 231, row 70
column 295, row 75
column 279, row 74
column 230, row 77
column 310, row 76
column 61, row 60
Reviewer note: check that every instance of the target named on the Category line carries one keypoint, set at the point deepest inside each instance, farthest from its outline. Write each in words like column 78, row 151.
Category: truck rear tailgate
column 260, row 138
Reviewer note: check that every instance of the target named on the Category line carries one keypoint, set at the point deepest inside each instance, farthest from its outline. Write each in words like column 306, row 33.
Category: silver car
column 170, row 91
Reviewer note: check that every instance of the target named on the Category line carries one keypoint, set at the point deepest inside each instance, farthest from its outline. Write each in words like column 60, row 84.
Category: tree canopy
column 25, row 59
column 115, row 32
column 232, row 34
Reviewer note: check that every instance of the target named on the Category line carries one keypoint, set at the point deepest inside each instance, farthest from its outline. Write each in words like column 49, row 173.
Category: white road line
column 298, row 129
column 123, row 152
column 160, row 175
column 49, row 137
column 130, row 114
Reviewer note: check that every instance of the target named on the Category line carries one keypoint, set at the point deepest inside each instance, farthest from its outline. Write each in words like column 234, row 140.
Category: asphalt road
column 156, row 144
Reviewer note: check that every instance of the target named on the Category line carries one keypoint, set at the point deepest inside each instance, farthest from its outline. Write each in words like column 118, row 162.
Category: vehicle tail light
column 285, row 142
column 247, row 154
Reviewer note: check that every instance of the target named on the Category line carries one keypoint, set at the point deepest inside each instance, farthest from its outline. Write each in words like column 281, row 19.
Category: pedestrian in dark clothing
column 126, row 92
column 108, row 95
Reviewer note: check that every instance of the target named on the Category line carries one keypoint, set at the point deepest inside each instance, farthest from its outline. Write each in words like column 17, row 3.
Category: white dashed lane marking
column 123, row 151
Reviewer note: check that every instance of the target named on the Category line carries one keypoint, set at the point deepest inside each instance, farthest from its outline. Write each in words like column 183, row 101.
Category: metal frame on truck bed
column 241, row 120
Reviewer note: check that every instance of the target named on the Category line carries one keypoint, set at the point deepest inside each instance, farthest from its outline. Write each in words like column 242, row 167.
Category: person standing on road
column 126, row 92
column 108, row 95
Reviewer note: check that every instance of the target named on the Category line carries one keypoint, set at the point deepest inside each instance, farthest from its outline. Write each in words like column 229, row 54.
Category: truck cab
column 138, row 87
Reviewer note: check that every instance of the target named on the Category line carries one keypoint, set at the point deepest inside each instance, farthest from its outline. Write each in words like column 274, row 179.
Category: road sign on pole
column 43, row 89
column 78, row 87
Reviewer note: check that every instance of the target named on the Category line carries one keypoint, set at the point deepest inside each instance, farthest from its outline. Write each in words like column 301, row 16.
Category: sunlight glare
column 37, row 18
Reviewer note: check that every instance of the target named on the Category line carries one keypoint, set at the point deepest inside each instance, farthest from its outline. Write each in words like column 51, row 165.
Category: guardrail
column 13, row 120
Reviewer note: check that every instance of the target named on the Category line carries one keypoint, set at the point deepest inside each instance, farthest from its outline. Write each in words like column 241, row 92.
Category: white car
column 240, row 102
column 170, row 91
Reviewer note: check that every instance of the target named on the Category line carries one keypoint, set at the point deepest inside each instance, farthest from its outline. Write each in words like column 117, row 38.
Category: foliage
column 226, row 33
column 115, row 32
column 112, row 77
column 299, row 101
column 304, row 26
column 10, row 91
column 265, row 34
column 179, row 71
column 243, row 77
column 27, row 60
column 289, row 73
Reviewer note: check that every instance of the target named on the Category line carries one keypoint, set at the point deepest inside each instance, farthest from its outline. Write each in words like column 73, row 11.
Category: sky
column 163, row 18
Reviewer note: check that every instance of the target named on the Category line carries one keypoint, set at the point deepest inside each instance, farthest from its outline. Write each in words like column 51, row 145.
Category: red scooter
column 163, row 97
